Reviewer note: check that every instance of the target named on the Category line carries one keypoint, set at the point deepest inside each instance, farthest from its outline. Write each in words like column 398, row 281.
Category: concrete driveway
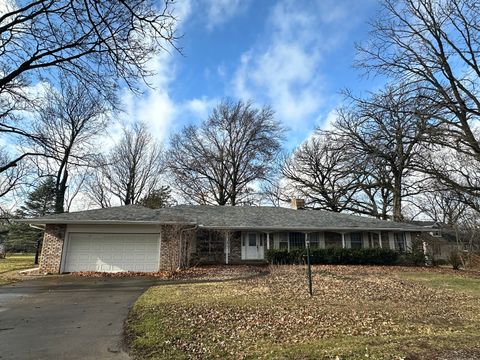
column 66, row 317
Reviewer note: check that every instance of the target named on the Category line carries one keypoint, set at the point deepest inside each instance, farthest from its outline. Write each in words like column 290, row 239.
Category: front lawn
column 357, row 312
column 13, row 263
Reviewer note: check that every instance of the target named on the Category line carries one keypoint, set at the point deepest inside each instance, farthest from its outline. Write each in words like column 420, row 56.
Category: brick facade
column 52, row 248
column 175, row 240
column 235, row 255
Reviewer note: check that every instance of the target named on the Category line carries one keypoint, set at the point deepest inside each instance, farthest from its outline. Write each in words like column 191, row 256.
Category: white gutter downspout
column 227, row 246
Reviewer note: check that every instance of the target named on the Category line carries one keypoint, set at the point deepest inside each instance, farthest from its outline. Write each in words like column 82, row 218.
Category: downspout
column 227, row 246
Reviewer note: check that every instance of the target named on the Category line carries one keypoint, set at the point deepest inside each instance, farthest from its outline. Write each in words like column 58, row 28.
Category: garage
column 110, row 252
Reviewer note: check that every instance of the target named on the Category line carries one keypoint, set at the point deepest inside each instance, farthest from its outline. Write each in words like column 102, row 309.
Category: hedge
column 334, row 256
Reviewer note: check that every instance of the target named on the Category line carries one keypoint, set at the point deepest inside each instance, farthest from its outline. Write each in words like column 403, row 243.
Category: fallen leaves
column 214, row 272
column 260, row 316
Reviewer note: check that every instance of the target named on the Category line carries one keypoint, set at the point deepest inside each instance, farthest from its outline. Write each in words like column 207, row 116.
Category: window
column 209, row 242
column 263, row 239
column 437, row 233
column 333, row 240
column 385, row 240
column 373, row 240
column 400, row 243
column 252, row 239
column 356, row 240
column 296, row 240
column 314, row 239
column 283, row 241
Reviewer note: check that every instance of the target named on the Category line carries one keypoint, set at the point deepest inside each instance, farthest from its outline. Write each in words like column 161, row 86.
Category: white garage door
column 112, row 252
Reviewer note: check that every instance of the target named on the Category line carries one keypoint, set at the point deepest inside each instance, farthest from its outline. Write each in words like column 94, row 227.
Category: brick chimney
column 298, row 204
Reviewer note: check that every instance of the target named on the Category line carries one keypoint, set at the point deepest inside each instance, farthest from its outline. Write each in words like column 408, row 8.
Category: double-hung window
column 356, row 240
column 296, row 240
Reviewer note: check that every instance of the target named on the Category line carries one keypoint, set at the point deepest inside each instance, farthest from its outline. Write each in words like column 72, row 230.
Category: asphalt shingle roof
column 228, row 217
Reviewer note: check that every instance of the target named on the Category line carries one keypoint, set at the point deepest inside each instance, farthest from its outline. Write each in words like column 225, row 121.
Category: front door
column 252, row 247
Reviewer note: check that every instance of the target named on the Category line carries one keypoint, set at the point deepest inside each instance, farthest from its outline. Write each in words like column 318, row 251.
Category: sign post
column 309, row 267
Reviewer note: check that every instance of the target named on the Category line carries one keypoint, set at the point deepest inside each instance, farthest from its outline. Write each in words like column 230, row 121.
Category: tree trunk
column 397, row 198
column 60, row 192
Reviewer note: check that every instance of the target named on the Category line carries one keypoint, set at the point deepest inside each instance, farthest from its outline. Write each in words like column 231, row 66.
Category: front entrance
column 252, row 246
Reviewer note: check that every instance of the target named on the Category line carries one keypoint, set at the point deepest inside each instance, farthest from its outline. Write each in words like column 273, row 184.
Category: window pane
column 385, row 241
column 283, row 240
column 314, row 239
column 333, row 240
column 399, row 241
column 356, row 240
column 373, row 240
column 297, row 240
column 252, row 239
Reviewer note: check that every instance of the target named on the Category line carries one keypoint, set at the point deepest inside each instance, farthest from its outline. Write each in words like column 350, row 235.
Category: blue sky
column 293, row 55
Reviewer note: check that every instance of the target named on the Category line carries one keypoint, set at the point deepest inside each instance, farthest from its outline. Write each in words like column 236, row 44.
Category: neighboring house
column 134, row 238
column 439, row 239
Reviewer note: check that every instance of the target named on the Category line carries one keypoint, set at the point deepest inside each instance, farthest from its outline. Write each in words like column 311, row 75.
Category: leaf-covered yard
column 356, row 312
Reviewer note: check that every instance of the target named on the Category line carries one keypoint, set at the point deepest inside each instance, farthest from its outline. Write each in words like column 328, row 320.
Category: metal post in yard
column 309, row 267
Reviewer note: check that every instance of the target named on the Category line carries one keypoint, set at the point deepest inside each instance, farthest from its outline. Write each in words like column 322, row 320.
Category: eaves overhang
column 100, row 222
column 312, row 229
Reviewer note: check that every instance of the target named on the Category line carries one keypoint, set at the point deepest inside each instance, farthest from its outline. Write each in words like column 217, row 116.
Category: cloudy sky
column 293, row 55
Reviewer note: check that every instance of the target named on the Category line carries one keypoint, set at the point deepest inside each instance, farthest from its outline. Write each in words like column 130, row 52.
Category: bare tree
column 441, row 205
column 69, row 121
column 218, row 161
column 321, row 174
column 274, row 192
column 99, row 43
column 12, row 178
column 435, row 46
column 383, row 135
column 131, row 170
column 97, row 187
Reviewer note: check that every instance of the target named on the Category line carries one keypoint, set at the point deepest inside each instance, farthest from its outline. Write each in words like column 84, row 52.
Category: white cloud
column 155, row 107
column 285, row 70
column 331, row 118
column 221, row 11
column 201, row 108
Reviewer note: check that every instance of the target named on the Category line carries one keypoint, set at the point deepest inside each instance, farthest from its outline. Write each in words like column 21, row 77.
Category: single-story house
column 135, row 238
column 442, row 239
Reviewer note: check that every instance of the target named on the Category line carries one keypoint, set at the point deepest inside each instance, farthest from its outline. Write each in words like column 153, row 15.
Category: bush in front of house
column 455, row 259
column 285, row 257
column 334, row 256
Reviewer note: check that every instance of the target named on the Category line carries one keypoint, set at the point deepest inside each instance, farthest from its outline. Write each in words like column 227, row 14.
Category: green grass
column 14, row 263
column 448, row 282
column 356, row 312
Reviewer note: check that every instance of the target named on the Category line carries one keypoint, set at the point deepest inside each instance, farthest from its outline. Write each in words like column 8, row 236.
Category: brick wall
column 52, row 248
column 235, row 255
column 171, row 246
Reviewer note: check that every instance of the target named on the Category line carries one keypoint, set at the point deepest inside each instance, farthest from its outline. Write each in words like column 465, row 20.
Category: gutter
column 31, row 222
column 312, row 229
column 37, row 227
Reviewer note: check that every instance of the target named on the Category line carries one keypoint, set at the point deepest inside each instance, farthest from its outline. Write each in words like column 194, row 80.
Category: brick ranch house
column 135, row 238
